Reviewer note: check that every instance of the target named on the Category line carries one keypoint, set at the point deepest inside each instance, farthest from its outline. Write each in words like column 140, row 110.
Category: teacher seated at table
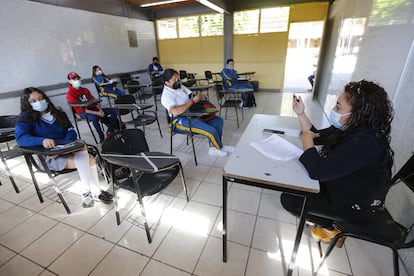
column 177, row 99
column 40, row 123
column 353, row 165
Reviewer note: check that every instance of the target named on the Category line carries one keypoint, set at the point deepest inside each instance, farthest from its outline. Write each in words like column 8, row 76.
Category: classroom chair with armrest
column 387, row 231
column 229, row 99
column 129, row 148
column 101, row 94
column 140, row 115
column 173, row 131
column 77, row 118
column 35, row 160
column 125, row 78
column 8, row 122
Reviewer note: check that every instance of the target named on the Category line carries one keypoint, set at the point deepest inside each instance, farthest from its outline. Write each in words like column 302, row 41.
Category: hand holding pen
column 298, row 105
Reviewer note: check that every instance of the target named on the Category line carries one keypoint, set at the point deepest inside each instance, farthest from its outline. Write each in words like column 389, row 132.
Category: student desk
column 41, row 152
column 286, row 176
column 201, row 88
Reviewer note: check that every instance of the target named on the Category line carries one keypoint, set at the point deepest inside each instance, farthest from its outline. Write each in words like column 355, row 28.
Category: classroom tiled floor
column 41, row 239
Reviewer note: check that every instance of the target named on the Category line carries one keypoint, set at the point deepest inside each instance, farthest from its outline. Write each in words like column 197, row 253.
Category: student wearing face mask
column 177, row 98
column 94, row 112
column 353, row 165
column 103, row 83
column 42, row 124
column 231, row 79
column 155, row 69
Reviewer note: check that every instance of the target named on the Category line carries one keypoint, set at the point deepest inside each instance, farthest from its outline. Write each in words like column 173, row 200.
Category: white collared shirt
column 174, row 97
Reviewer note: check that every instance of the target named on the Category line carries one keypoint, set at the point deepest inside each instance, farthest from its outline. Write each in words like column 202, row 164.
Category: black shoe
column 122, row 173
column 105, row 197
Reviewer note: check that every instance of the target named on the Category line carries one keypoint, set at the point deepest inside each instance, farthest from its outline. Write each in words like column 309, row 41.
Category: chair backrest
column 127, row 141
column 208, row 75
column 124, row 78
column 129, row 84
column 183, row 74
column 7, row 121
column 400, row 196
column 125, row 99
column 157, row 86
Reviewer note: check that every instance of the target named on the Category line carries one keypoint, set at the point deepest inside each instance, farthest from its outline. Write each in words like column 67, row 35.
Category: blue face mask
column 99, row 72
column 335, row 119
column 40, row 106
column 77, row 83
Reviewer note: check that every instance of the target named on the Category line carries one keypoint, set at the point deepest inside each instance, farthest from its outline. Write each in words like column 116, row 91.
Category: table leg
column 224, row 219
column 299, row 232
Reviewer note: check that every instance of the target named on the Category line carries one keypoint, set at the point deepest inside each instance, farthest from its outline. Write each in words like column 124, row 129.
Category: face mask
column 39, row 106
column 335, row 119
column 77, row 83
column 176, row 85
column 231, row 67
column 99, row 72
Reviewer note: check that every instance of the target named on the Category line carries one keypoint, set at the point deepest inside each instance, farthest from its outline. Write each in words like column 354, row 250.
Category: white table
column 250, row 167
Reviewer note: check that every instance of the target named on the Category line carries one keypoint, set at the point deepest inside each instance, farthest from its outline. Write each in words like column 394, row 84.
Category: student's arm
column 24, row 134
column 299, row 108
column 70, row 135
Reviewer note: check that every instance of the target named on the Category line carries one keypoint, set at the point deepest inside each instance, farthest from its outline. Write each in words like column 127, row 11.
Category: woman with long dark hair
column 104, row 83
column 40, row 123
column 354, row 164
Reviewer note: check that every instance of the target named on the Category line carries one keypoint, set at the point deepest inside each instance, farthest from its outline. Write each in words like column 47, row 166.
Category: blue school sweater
column 29, row 134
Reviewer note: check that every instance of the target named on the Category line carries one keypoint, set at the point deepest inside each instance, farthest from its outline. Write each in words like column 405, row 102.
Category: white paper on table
column 276, row 147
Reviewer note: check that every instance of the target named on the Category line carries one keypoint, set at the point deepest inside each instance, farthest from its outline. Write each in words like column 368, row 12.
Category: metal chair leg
column 183, row 181
column 3, row 160
column 328, row 251
column 135, row 178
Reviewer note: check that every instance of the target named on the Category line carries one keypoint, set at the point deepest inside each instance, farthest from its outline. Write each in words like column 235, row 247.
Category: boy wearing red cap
column 94, row 112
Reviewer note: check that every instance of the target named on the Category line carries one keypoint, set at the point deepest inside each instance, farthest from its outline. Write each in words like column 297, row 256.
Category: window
column 188, row 26
column 211, row 24
column 167, row 28
column 246, row 22
column 274, row 20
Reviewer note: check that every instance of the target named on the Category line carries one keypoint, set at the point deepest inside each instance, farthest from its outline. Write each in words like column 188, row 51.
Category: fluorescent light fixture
column 160, row 3
column 211, row 5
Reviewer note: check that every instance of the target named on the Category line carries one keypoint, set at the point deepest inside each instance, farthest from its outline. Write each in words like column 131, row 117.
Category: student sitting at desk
column 95, row 113
column 42, row 124
column 103, row 83
column 155, row 69
column 354, row 164
column 232, row 80
column 177, row 99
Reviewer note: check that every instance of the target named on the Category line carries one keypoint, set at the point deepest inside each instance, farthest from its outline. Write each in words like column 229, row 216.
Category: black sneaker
column 105, row 197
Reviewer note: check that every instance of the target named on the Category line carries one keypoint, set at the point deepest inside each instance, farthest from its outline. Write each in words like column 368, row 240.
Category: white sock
column 94, row 180
column 81, row 159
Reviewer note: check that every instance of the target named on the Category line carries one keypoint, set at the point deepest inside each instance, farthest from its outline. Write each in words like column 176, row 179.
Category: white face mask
column 99, row 72
column 76, row 83
column 335, row 119
column 40, row 106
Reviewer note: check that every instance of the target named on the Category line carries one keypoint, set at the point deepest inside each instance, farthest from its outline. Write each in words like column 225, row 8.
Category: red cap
column 73, row 75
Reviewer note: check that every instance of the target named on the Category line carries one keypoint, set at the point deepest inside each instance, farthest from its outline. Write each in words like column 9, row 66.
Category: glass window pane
column 246, row 22
column 167, row 28
column 211, row 24
column 188, row 26
column 274, row 20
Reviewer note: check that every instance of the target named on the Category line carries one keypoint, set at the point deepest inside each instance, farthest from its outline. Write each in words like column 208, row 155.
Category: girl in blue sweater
column 105, row 85
column 42, row 124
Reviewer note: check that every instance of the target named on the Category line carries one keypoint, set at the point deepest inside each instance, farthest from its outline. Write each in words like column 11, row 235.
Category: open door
column 302, row 55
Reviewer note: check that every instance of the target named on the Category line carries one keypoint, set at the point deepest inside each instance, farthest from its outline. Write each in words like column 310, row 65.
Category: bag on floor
column 248, row 100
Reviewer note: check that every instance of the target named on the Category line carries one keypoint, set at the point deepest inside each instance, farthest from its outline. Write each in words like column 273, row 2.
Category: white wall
column 41, row 43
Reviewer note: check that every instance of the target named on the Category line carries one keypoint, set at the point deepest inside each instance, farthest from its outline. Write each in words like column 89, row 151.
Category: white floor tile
column 243, row 201
column 20, row 266
column 121, row 261
column 12, row 217
column 5, row 255
column 211, row 261
column 52, row 244
column 239, row 227
column 4, row 205
column 107, row 228
column 26, row 232
column 271, row 207
column 181, row 249
column 209, row 193
column 155, row 268
column 264, row 264
column 86, row 253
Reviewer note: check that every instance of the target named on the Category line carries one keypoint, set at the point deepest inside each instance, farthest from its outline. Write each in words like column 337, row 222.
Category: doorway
column 302, row 55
